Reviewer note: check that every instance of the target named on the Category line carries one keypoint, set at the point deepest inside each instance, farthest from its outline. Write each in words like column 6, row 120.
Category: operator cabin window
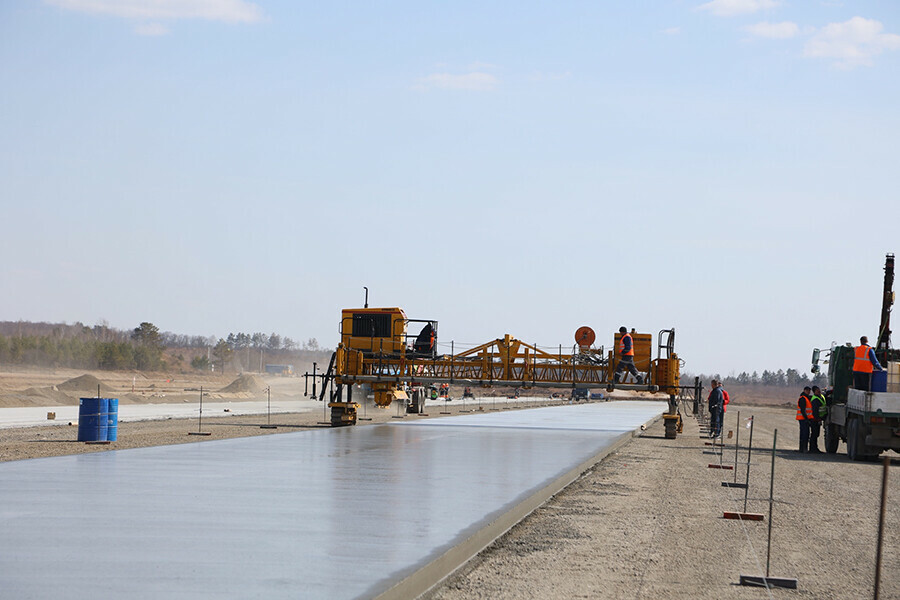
column 372, row 325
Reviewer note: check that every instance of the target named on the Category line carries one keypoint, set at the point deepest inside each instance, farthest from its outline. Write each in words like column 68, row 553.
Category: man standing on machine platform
column 626, row 357
column 864, row 362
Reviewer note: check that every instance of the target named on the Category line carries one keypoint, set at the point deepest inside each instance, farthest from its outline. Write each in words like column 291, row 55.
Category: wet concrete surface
column 341, row 513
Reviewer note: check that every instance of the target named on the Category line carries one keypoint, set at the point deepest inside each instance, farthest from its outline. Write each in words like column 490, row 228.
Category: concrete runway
column 36, row 416
column 344, row 513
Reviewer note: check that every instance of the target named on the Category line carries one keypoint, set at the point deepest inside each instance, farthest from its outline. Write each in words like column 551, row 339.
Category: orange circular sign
column 584, row 336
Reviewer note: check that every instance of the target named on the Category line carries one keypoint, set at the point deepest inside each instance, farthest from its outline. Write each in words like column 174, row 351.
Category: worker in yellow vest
column 626, row 357
column 805, row 417
column 820, row 411
column 864, row 362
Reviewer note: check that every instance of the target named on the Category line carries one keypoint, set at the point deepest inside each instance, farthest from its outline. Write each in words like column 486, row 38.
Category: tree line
column 144, row 348
column 779, row 378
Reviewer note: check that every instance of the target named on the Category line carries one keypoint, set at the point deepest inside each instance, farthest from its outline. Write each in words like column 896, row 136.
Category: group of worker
column 812, row 406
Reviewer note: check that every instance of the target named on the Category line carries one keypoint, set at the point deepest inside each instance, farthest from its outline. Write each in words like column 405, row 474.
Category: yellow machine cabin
column 376, row 342
column 373, row 329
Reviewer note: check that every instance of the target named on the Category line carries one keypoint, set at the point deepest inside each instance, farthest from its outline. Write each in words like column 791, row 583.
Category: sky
column 728, row 168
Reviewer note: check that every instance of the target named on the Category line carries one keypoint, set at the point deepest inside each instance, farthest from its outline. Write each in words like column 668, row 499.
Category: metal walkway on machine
column 345, row 513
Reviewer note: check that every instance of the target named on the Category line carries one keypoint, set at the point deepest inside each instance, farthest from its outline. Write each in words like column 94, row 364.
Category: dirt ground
column 60, row 387
column 647, row 523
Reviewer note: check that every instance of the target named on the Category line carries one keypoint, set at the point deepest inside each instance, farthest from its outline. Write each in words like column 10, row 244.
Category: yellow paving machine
column 398, row 357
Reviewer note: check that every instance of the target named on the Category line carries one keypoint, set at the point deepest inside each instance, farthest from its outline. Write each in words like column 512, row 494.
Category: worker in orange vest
column 805, row 416
column 626, row 357
column 864, row 362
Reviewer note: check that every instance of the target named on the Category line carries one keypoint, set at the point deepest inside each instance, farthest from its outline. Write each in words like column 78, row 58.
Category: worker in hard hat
column 820, row 411
column 864, row 362
column 805, row 417
column 626, row 357
column 716, row 400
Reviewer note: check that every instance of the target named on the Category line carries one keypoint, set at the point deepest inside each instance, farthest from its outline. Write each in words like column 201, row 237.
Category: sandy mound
column 85, row 383
column 244, row 383
column 37, row 397
column 49, row 396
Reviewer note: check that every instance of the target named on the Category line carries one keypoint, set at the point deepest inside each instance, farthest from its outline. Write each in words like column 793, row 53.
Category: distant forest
column 779, row 378
column 144, row 348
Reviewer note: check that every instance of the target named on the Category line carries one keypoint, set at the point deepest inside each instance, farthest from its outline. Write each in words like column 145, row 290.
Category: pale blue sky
column 729, row 168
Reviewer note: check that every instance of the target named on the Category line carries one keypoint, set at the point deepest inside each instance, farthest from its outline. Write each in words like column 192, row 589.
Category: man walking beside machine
column 626, row 357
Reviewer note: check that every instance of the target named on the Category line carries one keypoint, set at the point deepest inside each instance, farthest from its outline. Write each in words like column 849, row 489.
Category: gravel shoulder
column 647, row 523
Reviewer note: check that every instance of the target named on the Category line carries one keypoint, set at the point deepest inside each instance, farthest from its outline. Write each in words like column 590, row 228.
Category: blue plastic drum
column 112, row 422
column 93, row 419
column 879, row 381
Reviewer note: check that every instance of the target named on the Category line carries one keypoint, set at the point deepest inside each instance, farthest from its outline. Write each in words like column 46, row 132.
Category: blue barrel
column 93, row 419
column 112, row 423
column 879, row 381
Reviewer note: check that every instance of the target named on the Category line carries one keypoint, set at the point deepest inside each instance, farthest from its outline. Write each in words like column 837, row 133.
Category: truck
column 868, row 421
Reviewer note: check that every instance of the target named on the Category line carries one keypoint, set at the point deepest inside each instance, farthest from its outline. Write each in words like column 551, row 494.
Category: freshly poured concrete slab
column 625, row 417
column 340, row 513
column 33, row 416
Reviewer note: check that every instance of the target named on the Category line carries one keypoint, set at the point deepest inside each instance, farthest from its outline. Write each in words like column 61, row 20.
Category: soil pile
column 84, row 383
column 37, row 397
column 245, row 383
column 48, row 396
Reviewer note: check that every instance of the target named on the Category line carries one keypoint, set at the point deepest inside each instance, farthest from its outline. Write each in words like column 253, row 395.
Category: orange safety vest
column 622, row 345
column 861, row 362
column 808, row 408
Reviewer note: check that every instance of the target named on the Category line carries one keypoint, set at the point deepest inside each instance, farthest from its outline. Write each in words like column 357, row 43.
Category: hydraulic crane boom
column 887, row 300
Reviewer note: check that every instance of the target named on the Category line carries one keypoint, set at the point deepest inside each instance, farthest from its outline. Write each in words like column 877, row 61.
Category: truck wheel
column 855, row 442
column 832, row 439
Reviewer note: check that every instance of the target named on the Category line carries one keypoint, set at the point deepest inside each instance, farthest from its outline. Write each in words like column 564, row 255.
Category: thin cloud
column 229, row 11
column 672, row 30
column 476, row 81
column 734, row 8
column 853, row 43
column 542, row 76
column 151, row 29
column 780, row 31
column 481, row 66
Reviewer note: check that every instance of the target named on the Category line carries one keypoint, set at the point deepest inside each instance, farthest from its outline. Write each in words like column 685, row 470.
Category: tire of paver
column 832, row 439
column 671, row 427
